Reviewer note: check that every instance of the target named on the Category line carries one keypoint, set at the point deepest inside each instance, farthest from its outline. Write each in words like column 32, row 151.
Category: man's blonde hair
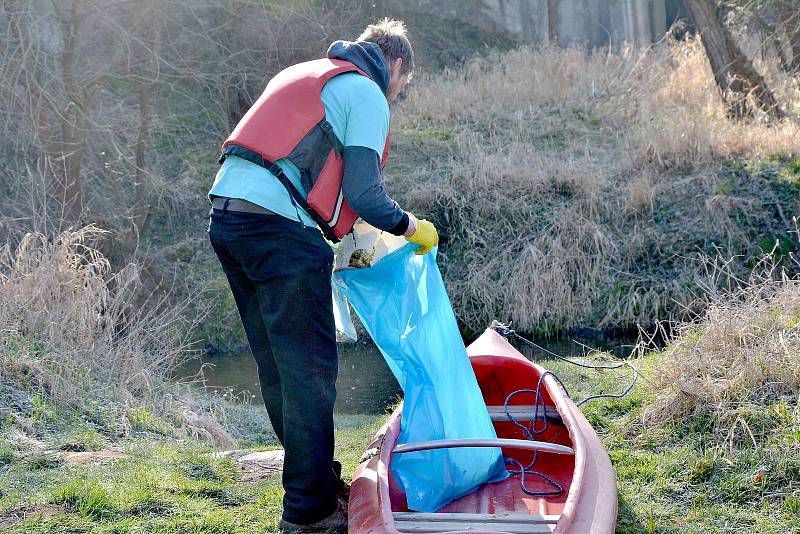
column 390, row 36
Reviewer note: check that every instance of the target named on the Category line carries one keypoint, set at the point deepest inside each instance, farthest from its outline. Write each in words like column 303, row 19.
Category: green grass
column 679, row 477
column 37, row 462
column 671, row 478
column 143, row 420
column 88, row 498
column 7, row 455
column 82, row 440
column 792, row 173
column 165, row 486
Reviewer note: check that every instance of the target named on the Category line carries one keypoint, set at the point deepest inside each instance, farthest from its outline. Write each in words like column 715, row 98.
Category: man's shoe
column 344, row 491
column 336, row 522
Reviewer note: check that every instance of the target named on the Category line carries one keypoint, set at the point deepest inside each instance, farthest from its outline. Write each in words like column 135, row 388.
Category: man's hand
column 425, row 236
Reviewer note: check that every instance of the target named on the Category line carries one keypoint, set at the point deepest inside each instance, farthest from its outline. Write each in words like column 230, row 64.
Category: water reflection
column 365, row 383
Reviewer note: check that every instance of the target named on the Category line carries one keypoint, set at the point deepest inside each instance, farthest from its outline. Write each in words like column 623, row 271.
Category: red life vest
column 288, row 121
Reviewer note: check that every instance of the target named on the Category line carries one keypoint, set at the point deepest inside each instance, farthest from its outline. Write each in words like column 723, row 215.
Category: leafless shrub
column 62, row 291
column 70, row 321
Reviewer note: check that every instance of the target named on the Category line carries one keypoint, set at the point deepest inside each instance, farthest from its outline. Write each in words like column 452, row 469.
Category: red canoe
column 579, row 463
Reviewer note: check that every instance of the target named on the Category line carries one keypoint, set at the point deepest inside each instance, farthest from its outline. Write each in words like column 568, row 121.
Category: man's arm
column 364, row 193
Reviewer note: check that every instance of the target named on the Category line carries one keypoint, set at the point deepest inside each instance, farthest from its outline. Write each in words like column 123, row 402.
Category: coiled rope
column 530, row 432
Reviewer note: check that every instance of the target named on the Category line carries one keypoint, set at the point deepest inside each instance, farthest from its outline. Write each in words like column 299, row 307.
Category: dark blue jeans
column 280, row 275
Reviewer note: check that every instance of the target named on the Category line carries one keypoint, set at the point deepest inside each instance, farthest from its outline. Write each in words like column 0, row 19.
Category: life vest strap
column 327, row 129
column 255, row 157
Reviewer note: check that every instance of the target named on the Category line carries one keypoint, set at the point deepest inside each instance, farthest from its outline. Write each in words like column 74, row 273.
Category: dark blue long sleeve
column 364, row 193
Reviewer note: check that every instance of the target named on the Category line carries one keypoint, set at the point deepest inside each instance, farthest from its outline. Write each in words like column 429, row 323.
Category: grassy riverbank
column 709, row 442
column 675, row 477
column 146, row 482
column 588, row 190
column 94, row 437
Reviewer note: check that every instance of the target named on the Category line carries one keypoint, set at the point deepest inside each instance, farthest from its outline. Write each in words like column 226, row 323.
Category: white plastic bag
column 375, row 242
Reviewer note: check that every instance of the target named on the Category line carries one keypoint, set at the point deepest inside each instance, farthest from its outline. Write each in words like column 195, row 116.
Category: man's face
column 397, row 80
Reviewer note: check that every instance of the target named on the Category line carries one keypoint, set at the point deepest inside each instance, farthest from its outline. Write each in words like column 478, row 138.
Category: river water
column 365, row 384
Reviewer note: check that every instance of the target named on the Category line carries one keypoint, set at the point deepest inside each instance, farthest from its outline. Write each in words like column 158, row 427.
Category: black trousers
column 280, row 275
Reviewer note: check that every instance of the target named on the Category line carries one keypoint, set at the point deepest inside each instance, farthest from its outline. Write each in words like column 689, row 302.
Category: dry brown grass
column 61, row 291
column 70, row 330
column 581, row 189
column 744, row 352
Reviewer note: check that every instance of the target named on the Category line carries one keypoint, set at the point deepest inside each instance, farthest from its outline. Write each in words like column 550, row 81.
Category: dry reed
column 744, row 351
column 580, row 189
column 69, row 324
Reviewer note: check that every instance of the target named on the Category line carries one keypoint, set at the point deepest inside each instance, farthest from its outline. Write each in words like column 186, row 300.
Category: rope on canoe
column 532, row 431
column 505, row 331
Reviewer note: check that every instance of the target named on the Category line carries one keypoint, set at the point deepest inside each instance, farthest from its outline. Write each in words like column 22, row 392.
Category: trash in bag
column 359, row 248
column 402, row 302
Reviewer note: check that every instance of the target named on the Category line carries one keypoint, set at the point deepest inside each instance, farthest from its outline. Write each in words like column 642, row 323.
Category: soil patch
column 255, row 466
column 83, row 457
column 42, row 512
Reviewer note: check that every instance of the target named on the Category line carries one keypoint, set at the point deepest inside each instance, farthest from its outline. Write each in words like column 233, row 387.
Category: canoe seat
column 447, row 522
column 521, row 444
column 522, row 413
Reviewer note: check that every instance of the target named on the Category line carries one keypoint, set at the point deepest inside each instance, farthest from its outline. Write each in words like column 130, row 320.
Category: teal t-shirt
column 359, row 114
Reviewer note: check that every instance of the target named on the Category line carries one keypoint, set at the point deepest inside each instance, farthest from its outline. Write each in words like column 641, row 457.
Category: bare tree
column 60, row 60
column 790, row 17
column 58, row 115
column 733, row 71
column 552, row 21
column 777, row 22
column 121, row 104
column 78, row 79
column 148, row 24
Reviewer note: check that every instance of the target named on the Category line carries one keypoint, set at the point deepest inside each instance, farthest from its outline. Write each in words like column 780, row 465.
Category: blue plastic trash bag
column 403, row 304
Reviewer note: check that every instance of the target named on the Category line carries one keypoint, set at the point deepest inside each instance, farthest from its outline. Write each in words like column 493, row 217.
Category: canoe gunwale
column 384, row 463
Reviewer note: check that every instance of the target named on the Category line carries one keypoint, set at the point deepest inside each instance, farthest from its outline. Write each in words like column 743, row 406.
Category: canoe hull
column 587, row 505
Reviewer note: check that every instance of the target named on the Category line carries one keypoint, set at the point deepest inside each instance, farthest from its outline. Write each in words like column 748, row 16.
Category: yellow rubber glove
column 425, row 236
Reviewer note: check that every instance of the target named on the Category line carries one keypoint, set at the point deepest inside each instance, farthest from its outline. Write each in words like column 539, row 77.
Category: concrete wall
column 579, row 22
